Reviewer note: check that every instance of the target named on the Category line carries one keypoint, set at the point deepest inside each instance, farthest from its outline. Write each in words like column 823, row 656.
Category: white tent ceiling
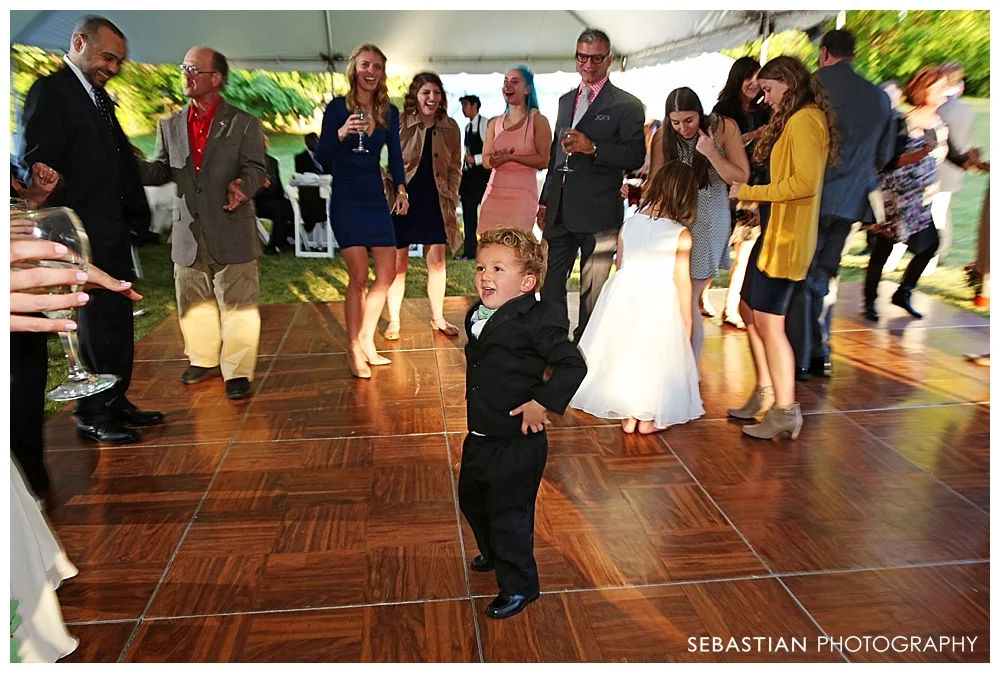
column 444, row 41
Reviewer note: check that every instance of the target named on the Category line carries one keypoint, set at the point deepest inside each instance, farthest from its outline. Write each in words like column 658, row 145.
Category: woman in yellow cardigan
column 798, row 141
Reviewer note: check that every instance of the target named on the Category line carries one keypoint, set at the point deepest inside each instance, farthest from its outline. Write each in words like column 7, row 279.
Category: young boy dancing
column 512, row 340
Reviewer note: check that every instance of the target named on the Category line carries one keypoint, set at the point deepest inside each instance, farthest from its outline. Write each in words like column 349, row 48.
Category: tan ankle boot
column 761, row 400
column 777, row 421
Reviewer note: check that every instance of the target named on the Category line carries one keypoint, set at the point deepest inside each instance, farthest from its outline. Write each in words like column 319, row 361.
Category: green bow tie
column 485, row 313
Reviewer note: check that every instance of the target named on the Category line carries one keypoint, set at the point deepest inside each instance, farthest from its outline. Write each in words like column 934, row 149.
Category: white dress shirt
column 83, row 80
column 480, row 124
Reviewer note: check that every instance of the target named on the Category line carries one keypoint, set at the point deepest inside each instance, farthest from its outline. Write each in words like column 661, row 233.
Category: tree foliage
column 896, row 44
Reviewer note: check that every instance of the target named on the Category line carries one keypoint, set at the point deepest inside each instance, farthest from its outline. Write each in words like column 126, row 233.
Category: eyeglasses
column 193, row 71
column 597, row 59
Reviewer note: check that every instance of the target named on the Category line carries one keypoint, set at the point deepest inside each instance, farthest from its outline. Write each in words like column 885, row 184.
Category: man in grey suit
column 867, row 130
column 601, row 128
column 215, row 153
column 960, row 118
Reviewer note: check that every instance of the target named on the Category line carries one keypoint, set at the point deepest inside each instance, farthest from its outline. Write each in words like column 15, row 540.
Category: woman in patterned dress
column 713, row 147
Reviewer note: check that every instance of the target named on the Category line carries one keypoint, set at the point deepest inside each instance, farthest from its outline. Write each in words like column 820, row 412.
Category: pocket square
column 602, row 118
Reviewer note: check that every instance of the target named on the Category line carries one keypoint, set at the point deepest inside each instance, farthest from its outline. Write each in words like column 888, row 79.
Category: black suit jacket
column 304, row 164
column 100, row 174
column 274, row 190
column 505, row 366
column 591, row 198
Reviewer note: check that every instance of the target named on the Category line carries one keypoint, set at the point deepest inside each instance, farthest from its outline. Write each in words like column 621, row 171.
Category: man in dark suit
column 70, row 125
column 601, row 126
column 475, row 176
column 312, row 207
column 867, row 131
column 272, row 203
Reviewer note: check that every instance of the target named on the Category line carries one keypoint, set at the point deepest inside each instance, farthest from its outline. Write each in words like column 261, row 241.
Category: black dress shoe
column 505, row 605
column 901, row 298
column 195, row 374
column 271, row 251
column 238, row 389
column 134, row 418
column 802, row 374
column 481, row 565
column 870, row 312
column 821, row 367
column 106, row 432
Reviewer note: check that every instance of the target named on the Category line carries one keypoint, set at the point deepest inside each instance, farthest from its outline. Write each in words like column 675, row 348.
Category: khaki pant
column 217, row 305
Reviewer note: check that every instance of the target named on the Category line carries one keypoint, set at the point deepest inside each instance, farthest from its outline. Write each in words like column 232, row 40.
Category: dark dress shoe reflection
column 505, row 605
column 481, row 565
column 821, row 367
column 106, row 432
column 134, row 418
column 195, row 374
column 238, row 389
column 901, row 298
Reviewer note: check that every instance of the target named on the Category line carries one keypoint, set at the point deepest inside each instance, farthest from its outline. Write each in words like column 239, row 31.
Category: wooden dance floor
column 317, row 521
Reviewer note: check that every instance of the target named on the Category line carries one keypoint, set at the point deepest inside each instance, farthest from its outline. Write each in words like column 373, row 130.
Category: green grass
column 287, row 279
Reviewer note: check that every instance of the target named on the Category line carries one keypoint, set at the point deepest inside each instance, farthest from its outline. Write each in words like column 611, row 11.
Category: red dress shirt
column 198, row 128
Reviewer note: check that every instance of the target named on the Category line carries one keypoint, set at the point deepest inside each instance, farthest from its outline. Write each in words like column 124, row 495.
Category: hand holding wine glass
column 61, row 227
column 362, row 118
column 565, row 138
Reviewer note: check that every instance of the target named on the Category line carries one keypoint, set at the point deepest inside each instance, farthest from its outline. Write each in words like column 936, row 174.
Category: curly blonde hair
column 532, row 255
column 803, row 89
column 380, row 100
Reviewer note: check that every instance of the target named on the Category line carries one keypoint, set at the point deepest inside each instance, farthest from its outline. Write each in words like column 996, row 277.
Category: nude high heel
column 777, row 421
column 761, row 400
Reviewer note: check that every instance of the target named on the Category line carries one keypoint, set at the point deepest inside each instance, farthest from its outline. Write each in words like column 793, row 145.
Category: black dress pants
column 282, row 217
column 597, row 251
column 107, row 331
column 926, row 242
column 497, row 487
column 470, row 219
column 29, row 363
column 808, row 320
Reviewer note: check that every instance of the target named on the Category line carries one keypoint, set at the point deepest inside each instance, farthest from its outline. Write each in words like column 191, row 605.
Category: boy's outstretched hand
column 535, row 417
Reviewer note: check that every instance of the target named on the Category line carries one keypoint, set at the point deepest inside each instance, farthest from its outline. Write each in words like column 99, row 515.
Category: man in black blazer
column 583, row 210
column 70, row 125
column 272, row 203
column 312, row 207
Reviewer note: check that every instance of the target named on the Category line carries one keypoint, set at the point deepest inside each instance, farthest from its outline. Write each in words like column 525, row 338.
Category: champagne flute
column 564, row 135
column 363, row 118
column 61, row 225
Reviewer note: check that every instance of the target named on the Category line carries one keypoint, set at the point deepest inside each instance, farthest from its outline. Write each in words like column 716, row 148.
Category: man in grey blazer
column 867, row 130
column 215, row 154
column 960, row 118
column 582, row 211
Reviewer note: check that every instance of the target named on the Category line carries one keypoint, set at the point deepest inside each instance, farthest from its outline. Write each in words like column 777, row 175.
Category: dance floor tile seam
column 545, row 592
column 622, row 523
column 204, row 496
column 930, row 473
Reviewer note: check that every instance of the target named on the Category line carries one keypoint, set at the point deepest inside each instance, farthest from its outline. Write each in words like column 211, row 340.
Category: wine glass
column 564, row 135
column 61, row 225
column 363, row 118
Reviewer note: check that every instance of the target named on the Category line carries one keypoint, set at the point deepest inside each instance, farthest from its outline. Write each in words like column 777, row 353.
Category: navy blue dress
column 423, row 222
column 358, row 209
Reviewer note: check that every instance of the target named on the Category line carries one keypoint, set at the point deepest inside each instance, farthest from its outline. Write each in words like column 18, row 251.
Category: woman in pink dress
column 516, row 147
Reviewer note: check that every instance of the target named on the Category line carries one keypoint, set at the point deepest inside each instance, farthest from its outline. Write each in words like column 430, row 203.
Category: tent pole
column 841, row 19
column 766, row 31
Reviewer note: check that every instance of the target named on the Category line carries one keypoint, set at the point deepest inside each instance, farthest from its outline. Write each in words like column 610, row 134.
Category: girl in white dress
column 640, row 364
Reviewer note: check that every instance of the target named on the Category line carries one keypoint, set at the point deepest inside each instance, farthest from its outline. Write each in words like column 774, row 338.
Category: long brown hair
column 685, row 100
column 419, row 80
column 672, row 193
column 380, row 100
column 803, row 89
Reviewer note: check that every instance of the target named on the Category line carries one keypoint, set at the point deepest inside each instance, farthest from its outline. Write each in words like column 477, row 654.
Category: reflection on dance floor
column 316, row 521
